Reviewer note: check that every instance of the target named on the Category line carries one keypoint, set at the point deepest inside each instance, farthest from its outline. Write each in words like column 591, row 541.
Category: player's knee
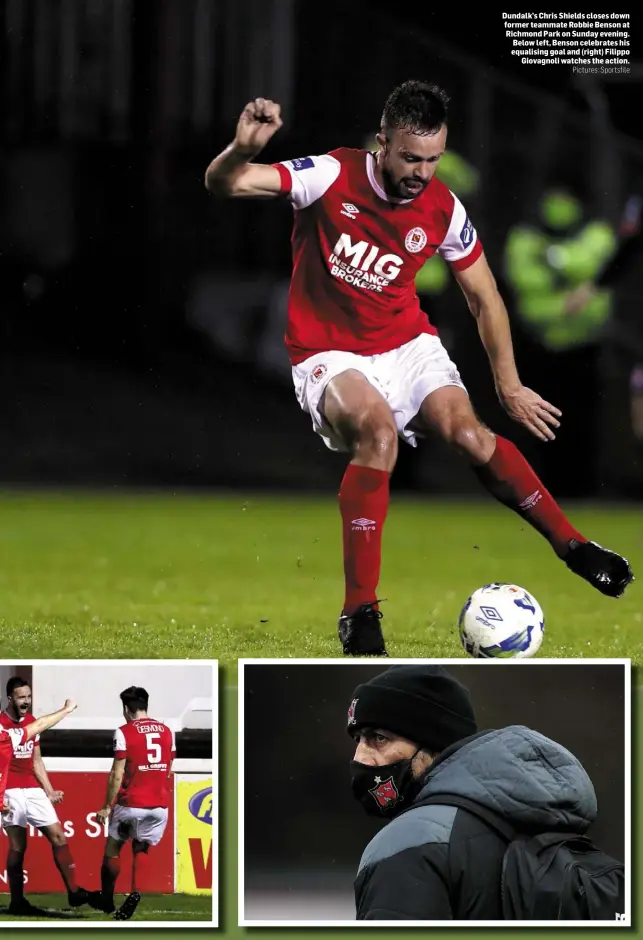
column 378, row 438
column 384, row 441
column 472, row 440
column 58, row 838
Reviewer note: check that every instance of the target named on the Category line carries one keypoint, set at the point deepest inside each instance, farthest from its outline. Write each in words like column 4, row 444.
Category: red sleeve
column 286, row 178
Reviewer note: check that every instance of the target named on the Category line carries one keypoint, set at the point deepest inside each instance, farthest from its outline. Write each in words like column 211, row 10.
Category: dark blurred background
column 304, row 832
column 142, row 320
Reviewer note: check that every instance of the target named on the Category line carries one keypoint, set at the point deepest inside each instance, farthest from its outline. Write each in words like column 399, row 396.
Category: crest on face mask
column 385, row 793
column 351, row 712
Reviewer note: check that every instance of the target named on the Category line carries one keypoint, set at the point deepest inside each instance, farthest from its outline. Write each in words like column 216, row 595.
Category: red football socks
column 363, row 503
column 511, row 480
column 15, row 875
column 66, row 866
column 109, row 872
column 139, row 866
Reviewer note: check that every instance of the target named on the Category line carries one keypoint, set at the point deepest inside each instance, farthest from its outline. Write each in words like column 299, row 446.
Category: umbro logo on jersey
column 363, row 525
column 350, row 210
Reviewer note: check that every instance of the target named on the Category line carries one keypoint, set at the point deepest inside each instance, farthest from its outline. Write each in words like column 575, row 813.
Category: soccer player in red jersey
column 137, row 798
column 29, row 798
column 16, row 734
column 367, row 364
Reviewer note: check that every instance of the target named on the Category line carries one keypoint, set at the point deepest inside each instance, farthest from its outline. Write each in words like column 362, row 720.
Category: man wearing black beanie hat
column 421, row 762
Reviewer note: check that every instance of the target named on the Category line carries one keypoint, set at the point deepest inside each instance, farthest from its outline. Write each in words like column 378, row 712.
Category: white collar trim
column 370, row 172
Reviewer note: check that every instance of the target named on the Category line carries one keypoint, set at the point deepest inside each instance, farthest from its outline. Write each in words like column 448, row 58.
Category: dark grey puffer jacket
column 441, row 862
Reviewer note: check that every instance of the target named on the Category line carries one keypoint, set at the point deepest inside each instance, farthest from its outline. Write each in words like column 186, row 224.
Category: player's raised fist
column 259, row 121
column 70, row 705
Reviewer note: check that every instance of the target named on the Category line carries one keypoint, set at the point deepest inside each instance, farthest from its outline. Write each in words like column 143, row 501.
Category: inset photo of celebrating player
column 108, row 788
column 433, row 791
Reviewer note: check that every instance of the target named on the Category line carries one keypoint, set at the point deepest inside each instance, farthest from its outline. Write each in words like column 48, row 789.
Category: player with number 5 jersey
column 367, row 364
column 137, row 797
column 147, row 747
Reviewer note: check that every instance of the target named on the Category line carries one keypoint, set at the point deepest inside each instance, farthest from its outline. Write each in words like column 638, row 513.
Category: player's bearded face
column 408, row 161
column 21, row 700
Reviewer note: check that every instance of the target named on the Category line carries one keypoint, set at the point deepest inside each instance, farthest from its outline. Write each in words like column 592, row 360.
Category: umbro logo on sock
column 363, row 525
column 531, row 501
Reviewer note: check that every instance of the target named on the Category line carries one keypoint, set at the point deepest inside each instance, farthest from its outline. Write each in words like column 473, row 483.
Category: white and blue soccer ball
column 501, row 621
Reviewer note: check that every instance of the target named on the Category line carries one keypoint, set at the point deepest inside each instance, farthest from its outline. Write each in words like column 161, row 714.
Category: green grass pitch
column 54, row 909
column 224, row 576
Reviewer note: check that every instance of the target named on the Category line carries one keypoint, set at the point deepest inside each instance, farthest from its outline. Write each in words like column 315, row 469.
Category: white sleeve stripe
column 461, row 237
column 119, row 740
column 311, row 177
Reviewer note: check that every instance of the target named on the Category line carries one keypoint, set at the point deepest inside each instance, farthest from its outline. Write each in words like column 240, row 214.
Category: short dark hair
column 420, row 107
column 135, row 699
column 16, row 682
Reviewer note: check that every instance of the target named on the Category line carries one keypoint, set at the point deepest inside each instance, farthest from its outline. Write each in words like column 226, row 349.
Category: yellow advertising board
column 194, row 834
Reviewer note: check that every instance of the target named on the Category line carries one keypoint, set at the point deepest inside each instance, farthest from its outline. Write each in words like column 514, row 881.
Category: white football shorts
column 404, row 376
column 131, row 822
column 29, row 806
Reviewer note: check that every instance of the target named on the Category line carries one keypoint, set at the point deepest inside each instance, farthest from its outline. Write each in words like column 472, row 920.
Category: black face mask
column 385, row 790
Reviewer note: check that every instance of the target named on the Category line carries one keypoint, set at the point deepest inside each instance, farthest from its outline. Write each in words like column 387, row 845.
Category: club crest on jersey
column 351, row 712
column 385, row 792
column 318, row 373
column 302, row 163
column 466, row 235
column 415, row 240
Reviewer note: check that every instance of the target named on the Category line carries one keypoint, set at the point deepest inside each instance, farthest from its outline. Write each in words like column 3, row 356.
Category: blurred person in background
column 27, row 797
column 621, row 451
column 367, row 364
column 456, row 798
column 546, row 260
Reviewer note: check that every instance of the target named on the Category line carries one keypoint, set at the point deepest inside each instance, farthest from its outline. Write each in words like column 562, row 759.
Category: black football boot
column 608, row 572
column 360, row 632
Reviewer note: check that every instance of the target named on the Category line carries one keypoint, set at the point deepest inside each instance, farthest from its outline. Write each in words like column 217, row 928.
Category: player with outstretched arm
column 367, row 364
column 29, row 800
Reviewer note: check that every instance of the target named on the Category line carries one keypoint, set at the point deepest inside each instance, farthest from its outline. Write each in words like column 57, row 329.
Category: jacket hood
column 530, row 780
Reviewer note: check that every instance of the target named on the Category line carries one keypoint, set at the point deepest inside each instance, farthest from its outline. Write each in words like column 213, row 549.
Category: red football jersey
column 10, row 739
column 149, row 749
column 21, row 766
column 357, row 251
